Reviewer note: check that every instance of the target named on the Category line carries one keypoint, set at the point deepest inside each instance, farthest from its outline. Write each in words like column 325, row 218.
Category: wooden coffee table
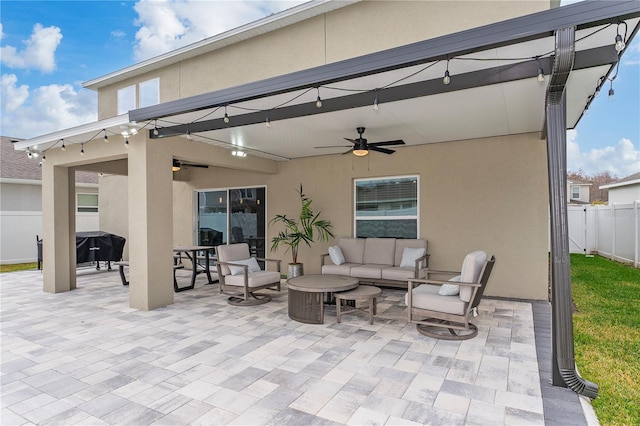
column 306, row 295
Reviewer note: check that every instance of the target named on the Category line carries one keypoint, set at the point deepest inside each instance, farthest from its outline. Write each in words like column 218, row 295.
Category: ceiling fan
column 361, row 148
column 179, row 164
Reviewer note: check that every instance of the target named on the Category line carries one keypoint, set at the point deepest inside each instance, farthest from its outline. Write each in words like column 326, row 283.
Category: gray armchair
column 241, row 275
column 443, row 309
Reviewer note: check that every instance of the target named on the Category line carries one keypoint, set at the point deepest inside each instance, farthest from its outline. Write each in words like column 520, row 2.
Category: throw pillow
column 335, row 253
column 409, row 256
column 252, row 263
column 450, row 289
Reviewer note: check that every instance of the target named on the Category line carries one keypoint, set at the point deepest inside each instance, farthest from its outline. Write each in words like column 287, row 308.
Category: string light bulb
column 106, row 138
column 318, row 100
column 29, row 154
column 375, row 102
column 619, row 43
column 268, row 122
column 611, row 97
column 126, row 142
column 540, row 75
column 226, row 116
column 155, row 128
column 63, row 147
column 447, row 77
column 81, row 149
column 44, row 157
column 189, row 135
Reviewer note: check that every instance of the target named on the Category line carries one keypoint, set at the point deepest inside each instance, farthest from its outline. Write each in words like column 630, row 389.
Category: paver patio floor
column 84, row 357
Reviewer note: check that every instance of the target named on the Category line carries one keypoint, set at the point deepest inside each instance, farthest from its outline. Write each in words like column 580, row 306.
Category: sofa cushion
column 368, row 270
column 400, row 274
column 352, row 249
column 344, row 269
column 409, row 257
column 470, row 272
column 427, row 297
column 335, row 253
column 379, row 251
column 401, row 243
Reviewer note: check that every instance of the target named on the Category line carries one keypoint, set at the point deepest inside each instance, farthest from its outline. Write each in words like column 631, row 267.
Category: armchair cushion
column 335, row 253
column 410, row 255
column 450, row 289
column 254, row 279
column 470, row 272
column 251, row 262
column 427, row 297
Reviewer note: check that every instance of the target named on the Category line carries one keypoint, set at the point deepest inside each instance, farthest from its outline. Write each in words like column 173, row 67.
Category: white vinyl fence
column 18, row 230
column 610, row 231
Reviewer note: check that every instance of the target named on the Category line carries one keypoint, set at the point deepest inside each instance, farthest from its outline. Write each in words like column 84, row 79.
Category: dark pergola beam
column 586, row 59
column 517, row 30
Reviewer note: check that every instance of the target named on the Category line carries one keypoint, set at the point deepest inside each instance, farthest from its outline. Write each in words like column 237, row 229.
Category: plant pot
column 294, row 270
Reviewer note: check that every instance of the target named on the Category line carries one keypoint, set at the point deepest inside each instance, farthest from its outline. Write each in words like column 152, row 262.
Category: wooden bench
column 121, row 264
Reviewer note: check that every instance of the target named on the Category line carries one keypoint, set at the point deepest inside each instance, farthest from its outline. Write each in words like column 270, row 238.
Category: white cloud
column 26, row 114
column 39, row 51
column 620, row 160
column 170, row 24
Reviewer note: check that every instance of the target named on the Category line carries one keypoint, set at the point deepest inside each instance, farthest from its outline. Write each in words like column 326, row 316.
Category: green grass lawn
column 18, row 267
column 607, row 335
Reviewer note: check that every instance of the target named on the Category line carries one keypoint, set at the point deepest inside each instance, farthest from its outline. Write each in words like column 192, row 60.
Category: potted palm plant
column 307, row 228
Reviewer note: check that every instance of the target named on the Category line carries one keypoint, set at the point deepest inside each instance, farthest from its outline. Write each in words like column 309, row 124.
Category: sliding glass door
column 233, row 215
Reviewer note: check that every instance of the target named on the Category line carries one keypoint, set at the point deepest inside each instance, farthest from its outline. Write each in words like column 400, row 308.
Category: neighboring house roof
column 633, row 179
column 16, row 165
column 576, row 182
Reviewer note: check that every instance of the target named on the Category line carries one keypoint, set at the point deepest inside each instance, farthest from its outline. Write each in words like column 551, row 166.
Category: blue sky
column 49, row 48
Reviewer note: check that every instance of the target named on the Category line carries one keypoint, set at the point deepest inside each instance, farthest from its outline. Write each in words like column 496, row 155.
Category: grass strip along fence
column 606, row 296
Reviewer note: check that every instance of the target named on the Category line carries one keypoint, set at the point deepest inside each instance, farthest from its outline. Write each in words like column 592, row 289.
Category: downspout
column 563, row 360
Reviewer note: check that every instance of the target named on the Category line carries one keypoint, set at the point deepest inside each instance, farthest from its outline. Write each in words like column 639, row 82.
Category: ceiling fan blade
column 385, row 150
column 396, row 142
column 333, row 146
column 353, row 141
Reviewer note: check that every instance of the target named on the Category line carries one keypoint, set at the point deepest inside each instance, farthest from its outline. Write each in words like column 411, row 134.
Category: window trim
column 573, row 188
column 84, row 206
column 356, row 218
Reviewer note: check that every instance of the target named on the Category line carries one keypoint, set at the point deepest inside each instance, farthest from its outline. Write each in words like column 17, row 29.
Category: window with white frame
column 126, row 99
column 87, row 203
column 575, row 192
column 149, row 93
column 386, row 207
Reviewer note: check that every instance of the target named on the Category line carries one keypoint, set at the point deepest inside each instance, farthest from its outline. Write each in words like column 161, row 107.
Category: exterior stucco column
column 59, row 225
column 150, row 225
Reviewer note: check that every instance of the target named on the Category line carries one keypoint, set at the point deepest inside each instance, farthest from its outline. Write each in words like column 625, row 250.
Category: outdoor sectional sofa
column 386, row 261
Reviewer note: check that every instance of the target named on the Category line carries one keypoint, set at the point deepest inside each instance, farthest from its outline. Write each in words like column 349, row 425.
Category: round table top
column 360, row 292
column 322, row 283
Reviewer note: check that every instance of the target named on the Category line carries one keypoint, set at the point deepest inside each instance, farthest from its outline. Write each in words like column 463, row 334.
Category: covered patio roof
column 494, row 90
